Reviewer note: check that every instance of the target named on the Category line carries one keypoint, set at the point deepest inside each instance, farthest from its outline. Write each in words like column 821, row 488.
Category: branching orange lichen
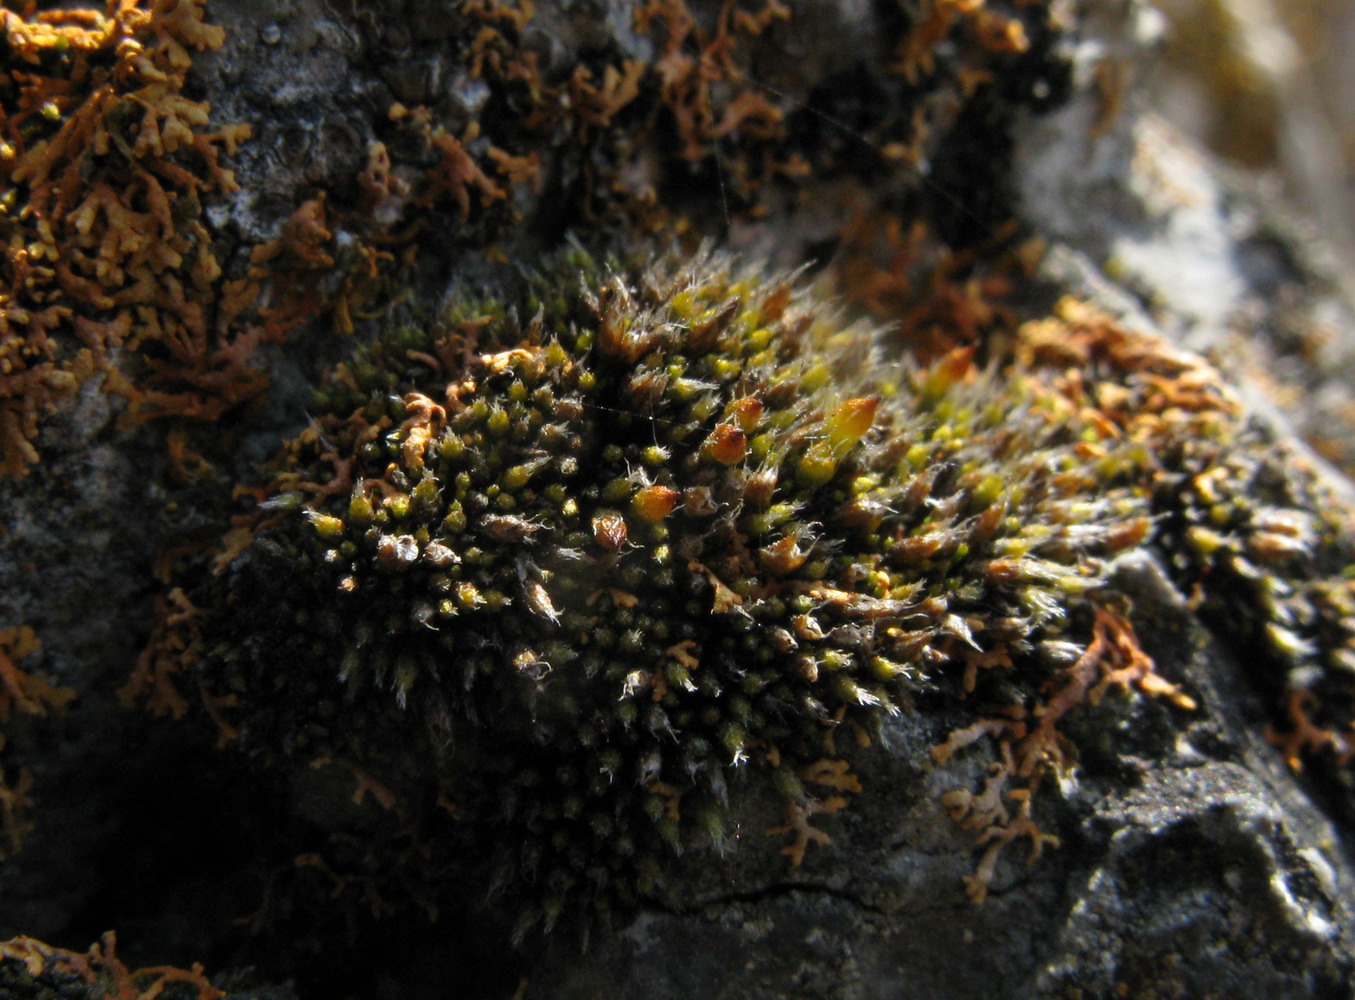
column 1253, row 533
column 1113, row 657
column 940, row 298
column 696, row 77
column 699, row 95
column 304, row 243
column 1030, row 745
column 364, row 784
column 20, row 691
column 346, row 866
column 978, row 659
column 1135, row 667
column 353, row 884
column 174, row 647
column 933, row 21
column 175, row 643
column 691, row 64
column 31, row 695
column 99, row 973
column 834, row 774
column 798, row 814
column 105, row 165
column 1306, row 737
column 456, row 176
column 305, row 253
column 997, row 837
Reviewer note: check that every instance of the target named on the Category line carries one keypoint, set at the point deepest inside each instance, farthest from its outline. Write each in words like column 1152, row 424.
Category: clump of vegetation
column 1260, row 542
column 1254, row 536
column 552, row 577
column 568, row 572
column 31, row 969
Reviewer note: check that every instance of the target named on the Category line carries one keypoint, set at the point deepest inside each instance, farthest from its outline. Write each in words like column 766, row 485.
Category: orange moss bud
column 726, row 444
column 951, row 370
column 609, row 530
column 654, row 503
column 783, row 557
column 746, row 413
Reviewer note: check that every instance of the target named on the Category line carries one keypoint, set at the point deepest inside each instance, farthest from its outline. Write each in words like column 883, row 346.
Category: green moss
column 1251, row 529
column 576, row 571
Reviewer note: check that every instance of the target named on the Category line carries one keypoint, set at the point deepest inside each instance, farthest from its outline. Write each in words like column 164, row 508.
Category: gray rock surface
column 1191, row 866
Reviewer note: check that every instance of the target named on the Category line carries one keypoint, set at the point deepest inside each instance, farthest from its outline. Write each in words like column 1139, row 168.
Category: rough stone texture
column 1193, row 862
column 1191, row 866
column 1201, row 250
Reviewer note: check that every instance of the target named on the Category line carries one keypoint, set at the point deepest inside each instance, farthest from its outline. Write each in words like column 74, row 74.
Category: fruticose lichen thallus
column 569, row 567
